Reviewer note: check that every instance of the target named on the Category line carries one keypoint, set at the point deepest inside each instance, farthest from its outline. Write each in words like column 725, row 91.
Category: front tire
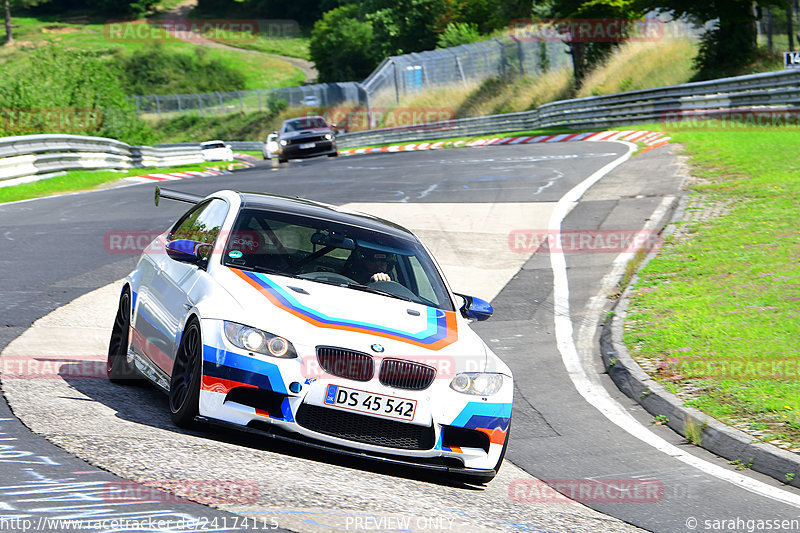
column 118, row 369
column 184, row 386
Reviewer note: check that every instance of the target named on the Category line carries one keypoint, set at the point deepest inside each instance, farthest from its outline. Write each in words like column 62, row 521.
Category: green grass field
column 718, row 312
column 261, row 71
column 287, row 46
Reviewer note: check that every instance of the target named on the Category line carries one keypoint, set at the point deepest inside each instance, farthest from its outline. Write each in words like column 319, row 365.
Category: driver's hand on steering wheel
column 380, row 276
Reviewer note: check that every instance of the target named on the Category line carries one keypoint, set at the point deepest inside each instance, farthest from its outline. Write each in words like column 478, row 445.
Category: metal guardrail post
column 396, row 88
column 502, row 56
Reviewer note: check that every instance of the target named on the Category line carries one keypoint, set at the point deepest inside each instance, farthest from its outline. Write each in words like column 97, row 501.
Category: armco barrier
column 29, row 155
column 772, row 90
column 37, row 154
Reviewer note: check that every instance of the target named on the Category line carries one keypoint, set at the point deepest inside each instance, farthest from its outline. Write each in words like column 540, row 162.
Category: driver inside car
column 373, row 266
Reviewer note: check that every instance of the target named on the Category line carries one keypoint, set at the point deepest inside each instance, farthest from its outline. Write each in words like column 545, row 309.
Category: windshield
column 208, row 146
column 305, row 124
column 333, row 253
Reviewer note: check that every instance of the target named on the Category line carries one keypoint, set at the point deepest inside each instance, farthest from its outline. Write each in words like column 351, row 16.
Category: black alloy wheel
column 184, row 388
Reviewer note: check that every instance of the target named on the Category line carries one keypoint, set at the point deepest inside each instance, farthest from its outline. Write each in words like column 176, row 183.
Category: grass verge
column 716, row 313
column 85, row 180
column 261, row 71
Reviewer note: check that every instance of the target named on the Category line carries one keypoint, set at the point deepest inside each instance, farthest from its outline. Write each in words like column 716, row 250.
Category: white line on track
column 590, row 388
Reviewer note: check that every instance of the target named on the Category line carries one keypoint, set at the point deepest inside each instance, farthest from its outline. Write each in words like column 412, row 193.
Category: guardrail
column 37, row 154
column 236, row 146
column 29, row 155
column 772, row 90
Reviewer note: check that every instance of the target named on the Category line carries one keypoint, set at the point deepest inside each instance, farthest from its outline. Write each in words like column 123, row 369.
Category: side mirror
column 188, row 251
column 475, row 308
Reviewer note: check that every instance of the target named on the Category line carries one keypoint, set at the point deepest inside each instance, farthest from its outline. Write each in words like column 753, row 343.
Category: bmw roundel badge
column 377, row 348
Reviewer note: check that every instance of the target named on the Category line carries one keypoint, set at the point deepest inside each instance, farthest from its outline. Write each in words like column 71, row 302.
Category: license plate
column 308, row 145
column 368, row 402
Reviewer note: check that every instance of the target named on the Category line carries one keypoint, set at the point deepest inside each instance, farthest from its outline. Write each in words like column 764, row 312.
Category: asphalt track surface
column 51, row 252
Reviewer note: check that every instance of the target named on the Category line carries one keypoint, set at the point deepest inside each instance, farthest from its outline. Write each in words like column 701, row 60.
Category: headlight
column 283, row 142
column 256, row 340
column 328, row 136
column 477, row 383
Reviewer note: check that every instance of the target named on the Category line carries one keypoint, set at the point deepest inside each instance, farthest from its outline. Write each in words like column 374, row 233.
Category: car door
column 161, row 317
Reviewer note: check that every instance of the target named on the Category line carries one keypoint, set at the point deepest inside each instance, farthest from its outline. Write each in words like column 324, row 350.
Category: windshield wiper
column 367, row 288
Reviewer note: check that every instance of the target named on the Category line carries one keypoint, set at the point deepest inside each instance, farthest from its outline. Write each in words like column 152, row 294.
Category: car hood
column 312, row 314
column 306, row 133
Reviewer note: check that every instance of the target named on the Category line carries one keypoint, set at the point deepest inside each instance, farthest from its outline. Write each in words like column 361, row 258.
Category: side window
column 423, row 283
column 201, row 224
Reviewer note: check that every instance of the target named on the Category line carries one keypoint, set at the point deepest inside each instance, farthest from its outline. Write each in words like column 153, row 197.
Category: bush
column 154, row 70
column 458, row 33
column 59, row 87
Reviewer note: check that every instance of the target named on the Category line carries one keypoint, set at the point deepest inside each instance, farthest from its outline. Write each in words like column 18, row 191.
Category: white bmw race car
column 307, row 322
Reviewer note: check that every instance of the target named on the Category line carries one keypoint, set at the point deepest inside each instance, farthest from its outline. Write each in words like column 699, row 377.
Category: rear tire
column 184, row 385
column 334, row 154
column 118, row 369
column 282, row 160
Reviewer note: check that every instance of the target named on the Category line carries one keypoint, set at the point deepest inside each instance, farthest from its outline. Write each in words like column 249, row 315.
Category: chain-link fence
column 400, row 75
column 779, row 27
column 221, row 103
column 395, row 76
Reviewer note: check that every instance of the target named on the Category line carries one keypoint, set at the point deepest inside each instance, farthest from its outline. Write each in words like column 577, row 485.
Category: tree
column 587, row 52
column 342, row 45
column 731, row 43
column 404, row 26
column 7, row 14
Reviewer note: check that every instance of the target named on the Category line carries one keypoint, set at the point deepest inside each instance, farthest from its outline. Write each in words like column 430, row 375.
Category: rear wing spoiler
column 177, row 195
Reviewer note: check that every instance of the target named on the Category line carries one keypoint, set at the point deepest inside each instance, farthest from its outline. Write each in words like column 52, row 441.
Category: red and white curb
column 652, row 139
column 175, row 176
column 185, row 175
column 246, row 157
